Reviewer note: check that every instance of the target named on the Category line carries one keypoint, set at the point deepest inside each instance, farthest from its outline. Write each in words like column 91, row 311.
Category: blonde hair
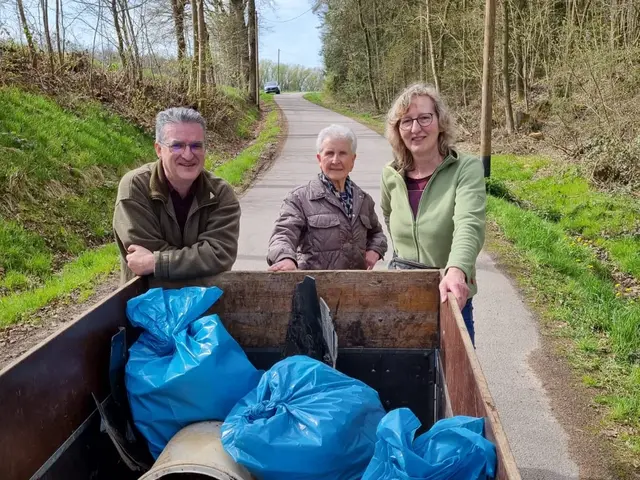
column 403, row 159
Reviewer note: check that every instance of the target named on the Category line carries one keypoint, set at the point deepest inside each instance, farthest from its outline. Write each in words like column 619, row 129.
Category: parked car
column 271, row 87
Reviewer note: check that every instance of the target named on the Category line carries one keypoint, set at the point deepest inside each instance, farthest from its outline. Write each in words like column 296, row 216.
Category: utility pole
column 257, row 63
column 278, row 74
column 487, row 85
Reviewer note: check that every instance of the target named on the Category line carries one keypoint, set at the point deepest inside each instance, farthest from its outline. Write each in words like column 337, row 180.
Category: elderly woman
column 433, row 197
column 329, row 223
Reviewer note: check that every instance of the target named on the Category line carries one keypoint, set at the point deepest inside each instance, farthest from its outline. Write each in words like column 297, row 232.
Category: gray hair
column 178, row 115
column 337, row 132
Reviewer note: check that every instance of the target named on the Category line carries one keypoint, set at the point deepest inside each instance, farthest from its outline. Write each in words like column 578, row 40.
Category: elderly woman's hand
column 455, row 282
column 371, row 258
column 283, row 265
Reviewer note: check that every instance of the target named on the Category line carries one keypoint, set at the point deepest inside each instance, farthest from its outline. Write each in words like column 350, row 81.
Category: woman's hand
column 371, row 258
column 283, row 265
column 455, row 282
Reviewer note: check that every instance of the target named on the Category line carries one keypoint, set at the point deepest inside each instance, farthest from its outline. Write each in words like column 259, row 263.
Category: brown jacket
column 314, row 231
column 144, row 215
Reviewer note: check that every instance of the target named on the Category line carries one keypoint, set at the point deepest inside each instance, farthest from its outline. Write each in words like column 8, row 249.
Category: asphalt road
column 506, row 332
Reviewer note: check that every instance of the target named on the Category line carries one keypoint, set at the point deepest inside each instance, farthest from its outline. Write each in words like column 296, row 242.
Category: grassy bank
column 575, row 252
column 235, row 170
column 59, row 172
column 374, row 122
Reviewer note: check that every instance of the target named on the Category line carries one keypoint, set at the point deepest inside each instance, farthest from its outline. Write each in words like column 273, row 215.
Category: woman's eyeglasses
column 424, row 120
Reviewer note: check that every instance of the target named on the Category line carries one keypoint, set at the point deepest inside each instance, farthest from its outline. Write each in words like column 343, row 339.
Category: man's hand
column 140, row 260
column 371, row 258
column 283, row 265
column 454, row 282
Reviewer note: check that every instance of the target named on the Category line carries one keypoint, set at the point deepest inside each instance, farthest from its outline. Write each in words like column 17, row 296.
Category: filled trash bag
column 304, row 421
column 183, row 368
column 453, row 448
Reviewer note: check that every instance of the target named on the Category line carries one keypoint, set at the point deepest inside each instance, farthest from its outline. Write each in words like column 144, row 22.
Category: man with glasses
column 173, row 219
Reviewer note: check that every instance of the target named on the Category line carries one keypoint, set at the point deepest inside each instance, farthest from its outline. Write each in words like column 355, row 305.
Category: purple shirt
column 415, row 187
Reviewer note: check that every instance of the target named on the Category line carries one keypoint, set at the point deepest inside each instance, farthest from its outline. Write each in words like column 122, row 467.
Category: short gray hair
column 178, row 115
column 337, row 132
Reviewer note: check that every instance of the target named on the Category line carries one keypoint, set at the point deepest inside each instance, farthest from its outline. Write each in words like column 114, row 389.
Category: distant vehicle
column 272, row 87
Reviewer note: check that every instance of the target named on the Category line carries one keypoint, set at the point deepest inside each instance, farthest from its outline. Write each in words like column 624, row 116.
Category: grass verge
column 577, row 302
column 235, row 170
column 566, row 244
column 82, row 273
column 57, row 190
column 374, row 122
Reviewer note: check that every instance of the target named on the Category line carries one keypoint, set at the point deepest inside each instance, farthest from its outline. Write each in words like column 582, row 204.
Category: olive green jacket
column 144, row 215
column 449, row 229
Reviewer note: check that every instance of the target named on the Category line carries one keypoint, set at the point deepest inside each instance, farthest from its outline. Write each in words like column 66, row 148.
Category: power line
column 288, row 20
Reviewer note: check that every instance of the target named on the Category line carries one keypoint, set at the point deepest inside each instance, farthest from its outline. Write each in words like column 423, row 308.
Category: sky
column 292, row 27
column 288, row 25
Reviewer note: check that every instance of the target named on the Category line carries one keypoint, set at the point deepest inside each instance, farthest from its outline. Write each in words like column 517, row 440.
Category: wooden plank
column 373, row 309
column 467, row 387
column 46, row 393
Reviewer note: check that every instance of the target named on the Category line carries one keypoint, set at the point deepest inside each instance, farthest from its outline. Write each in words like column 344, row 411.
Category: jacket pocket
column 366, row 221
column 324, row 232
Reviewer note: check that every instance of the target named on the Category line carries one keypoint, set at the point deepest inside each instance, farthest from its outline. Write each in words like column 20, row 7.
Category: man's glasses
column 179, row 147
column 424, row 120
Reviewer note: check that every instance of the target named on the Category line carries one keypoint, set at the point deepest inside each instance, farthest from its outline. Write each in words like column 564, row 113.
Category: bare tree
column 253, row 93
column 27, row 32
column 177, row 8
column 44, row 5
column 506, row 74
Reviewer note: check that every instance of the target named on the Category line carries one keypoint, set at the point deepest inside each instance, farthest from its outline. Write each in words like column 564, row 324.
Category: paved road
column 505, row 331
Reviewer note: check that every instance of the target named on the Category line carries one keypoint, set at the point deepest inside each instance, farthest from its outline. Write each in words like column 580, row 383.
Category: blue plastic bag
column 183, row 368
column 304, row 421
column 453, row 448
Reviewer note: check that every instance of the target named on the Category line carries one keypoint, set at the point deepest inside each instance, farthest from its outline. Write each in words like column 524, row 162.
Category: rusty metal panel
column 467, row 387
column 46, row 393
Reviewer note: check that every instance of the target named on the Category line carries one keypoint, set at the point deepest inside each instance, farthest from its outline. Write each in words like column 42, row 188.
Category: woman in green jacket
column 433, row 197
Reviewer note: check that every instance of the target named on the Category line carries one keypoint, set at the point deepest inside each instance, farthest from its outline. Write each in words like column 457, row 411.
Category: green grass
column 235, row 170
column 58, row 178
column 82, row 273
column 374, row 122
column 605, row 219
column 571, row 289
column 59, row 172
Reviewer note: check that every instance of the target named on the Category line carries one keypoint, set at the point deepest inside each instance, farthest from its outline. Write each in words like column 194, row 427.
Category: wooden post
column 487, row 85
column 257, row 62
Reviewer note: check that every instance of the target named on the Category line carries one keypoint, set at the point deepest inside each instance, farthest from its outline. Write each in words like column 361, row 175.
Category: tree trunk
column 506, row 76
column 367, row 40
column 45, row 20
column 116, row 24
column 253, row 91
column 432, row 52
column 423, row 75
column 464, row 58
column 177, row 8
column 443, row 31
column 202, row 52
column 137, row 62
column 27, row 33
column 193, row 84
column 59, row 31
column 518, row 28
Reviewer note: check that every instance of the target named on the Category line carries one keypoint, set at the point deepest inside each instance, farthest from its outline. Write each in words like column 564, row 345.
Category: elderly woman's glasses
column 179, row 147
column 424, row 120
